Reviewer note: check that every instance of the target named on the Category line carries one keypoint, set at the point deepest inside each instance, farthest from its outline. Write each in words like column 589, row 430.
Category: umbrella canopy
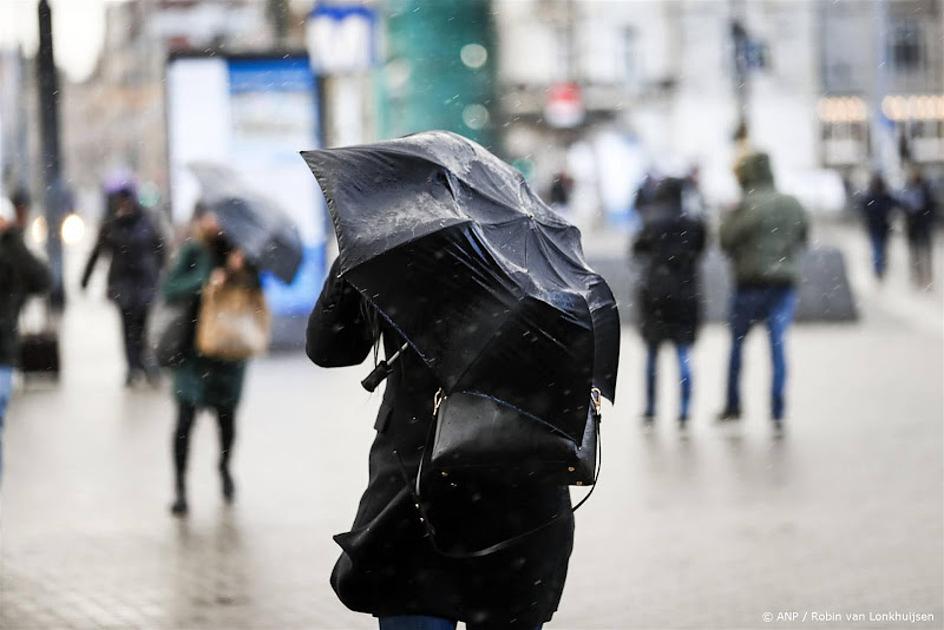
column 482, row 279
column 252, row 222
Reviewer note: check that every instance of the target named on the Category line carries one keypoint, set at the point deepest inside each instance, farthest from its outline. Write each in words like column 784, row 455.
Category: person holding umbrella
column 489, row 317
column 237, row 234
column 671, row 243
column 206, row 260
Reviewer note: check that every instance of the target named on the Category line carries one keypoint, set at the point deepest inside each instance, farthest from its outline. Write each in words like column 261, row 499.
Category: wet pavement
column 712, row 529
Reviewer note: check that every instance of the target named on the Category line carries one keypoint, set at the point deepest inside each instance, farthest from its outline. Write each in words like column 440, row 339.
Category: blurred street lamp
column 55, row 198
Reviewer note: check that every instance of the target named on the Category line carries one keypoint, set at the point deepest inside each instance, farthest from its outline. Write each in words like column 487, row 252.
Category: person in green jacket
column 763, row 237
column 200, row 381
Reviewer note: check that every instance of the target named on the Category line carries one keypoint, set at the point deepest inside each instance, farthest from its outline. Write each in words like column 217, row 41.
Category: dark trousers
column 919, row 250
column 134, row 327
column 685, row 378
column 774, row 305
column 186, row 414
column 879, row 242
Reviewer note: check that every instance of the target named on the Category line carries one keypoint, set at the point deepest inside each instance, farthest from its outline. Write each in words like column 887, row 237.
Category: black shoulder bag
column 475, row 433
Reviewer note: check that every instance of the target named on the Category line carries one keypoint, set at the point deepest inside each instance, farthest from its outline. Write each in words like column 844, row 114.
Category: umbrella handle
column 382, row 371
column 376, row 377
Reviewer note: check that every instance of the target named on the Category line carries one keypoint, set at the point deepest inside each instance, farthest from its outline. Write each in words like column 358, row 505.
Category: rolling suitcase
column 39, row 354
column 39, row 342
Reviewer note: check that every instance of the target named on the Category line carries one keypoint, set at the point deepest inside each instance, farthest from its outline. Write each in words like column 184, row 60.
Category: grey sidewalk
column 710, row 531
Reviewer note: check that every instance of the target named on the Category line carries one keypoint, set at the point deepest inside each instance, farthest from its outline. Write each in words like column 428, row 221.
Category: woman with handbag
column 392, row 566
column 206, row 378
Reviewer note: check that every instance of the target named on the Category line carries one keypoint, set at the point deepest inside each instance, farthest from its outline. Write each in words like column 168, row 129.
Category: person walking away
column 200, row 382
column 877, row 207
column 559, row 196
column 135, row 243
column 920, row 210
column 642, row 199
column 763, row 237
column 672, row 244
column 388, row 567
column 22, row 274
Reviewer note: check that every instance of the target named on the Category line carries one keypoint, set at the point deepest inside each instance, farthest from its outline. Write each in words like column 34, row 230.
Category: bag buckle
column 438, row 399
column 596, row 399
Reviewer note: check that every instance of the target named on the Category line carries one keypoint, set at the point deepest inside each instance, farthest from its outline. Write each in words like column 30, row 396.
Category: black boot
column 179, row 506
column 229, row 488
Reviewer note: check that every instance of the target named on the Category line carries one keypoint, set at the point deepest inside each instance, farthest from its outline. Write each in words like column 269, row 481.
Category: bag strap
column 414, row 487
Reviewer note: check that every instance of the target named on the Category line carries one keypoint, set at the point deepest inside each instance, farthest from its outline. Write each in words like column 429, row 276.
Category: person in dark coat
column 671, row 244
column 389, row 567
column 22, row 274
column 199, row 381
column 135, row 244
column 878, row 206
column 920, row 209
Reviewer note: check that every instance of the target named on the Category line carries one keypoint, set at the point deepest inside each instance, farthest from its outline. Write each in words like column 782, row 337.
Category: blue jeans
column 6, row 389
column 775, row 306
column 420, row 622
column 685, row 378
column 879, row 241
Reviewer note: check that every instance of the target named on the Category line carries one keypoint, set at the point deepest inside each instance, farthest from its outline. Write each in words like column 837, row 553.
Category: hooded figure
column 670, row 245
column 136, row 246
column 763, row 237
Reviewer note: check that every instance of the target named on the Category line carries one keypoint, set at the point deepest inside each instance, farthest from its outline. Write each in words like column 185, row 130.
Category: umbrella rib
column 485, row 346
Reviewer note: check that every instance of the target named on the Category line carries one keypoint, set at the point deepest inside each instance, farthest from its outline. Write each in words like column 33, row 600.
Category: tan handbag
column 234, row 322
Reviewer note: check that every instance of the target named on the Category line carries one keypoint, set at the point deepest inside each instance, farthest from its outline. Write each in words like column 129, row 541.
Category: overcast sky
column 78, row 28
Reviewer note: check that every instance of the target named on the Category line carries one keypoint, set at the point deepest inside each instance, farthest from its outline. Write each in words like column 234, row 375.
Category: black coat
column 917, row 199
column 388, row 567
column 21, row 274
column 670, row 247
column 137, row 250
column 877, row 210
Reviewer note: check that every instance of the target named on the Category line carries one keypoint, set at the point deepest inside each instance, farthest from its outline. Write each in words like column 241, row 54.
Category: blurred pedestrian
column 672, row 244
column 642, row 200
column 920, row 209
column 693, row 201
column 562, row 187
column 21, row 274
column 206, row 261
column 877, row 207
column 763, row 236
column 133, row 240
column 389, row 568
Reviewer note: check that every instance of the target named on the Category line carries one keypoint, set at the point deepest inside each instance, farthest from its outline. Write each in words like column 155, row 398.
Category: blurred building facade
column 603, row 90
column 662, row 77
column 883, row 57
column 115, row 119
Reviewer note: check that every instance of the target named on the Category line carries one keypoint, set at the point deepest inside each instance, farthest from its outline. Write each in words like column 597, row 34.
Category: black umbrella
column 481, row 278
column 252, row 222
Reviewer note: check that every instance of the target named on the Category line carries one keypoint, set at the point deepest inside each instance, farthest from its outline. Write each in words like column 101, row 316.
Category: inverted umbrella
column 251, row 221
column 480, row 277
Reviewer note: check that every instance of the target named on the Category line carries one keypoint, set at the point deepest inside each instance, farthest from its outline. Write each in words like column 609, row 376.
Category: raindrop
column 473, row 55
column 475, row 116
